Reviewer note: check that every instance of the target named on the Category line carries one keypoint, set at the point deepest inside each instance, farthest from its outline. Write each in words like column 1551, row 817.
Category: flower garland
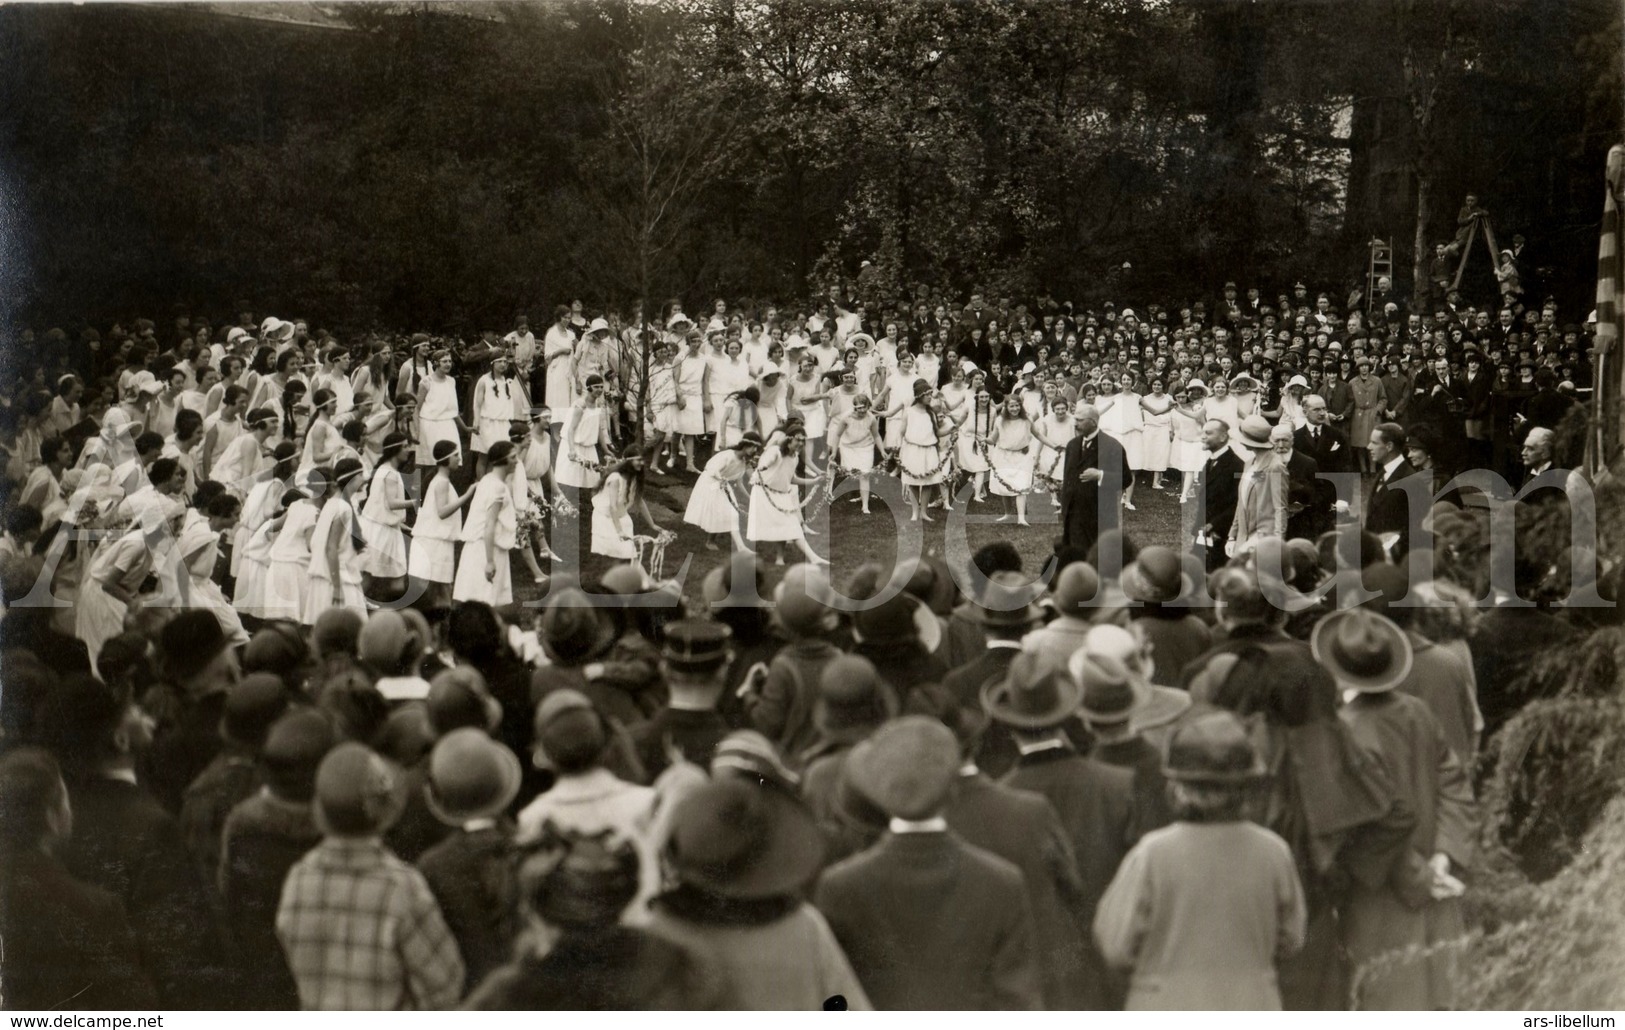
column 655, row 547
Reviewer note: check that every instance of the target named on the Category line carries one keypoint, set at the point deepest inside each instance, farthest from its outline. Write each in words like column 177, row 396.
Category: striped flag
column 1610, row 276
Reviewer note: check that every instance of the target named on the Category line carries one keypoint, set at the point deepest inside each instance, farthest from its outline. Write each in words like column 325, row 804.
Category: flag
column 1610, row 386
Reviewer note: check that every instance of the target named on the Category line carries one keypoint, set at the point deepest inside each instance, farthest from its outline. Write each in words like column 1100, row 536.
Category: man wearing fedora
column 929, row 921
column 360, row 928
column 1417, row 906
column 1038, row 700
column 1005, row 613
column 1023, row 828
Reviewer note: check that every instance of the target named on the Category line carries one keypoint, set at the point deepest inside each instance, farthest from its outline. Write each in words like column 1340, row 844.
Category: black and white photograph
column 812, row 505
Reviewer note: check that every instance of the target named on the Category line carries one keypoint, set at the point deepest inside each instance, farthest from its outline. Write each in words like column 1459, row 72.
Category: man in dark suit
column 927, row 920
column 125, row 843
column 1307, row 517
column 1005, row 616
column 1094, row 800
column 66, row 941
column 1389, row 508
column 1328, row 446
column 1219, row 481
column 1094, row 473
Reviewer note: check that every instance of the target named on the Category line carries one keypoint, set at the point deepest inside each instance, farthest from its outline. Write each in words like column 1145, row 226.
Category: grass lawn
column 841, row 531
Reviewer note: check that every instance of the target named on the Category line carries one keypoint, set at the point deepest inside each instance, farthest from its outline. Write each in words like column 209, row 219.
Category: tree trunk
column 1422, row 258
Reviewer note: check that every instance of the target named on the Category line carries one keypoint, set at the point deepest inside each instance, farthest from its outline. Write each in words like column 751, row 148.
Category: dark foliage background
column 442, row 166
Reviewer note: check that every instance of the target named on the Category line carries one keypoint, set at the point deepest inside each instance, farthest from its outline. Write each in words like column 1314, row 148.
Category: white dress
column 493, row 411
column 322, row 442
column 578, row 448
column 1009, row 451
column 434, row 549
column 99, row 617
column 1122, row 422
column 690, row 380
column 493, row 503
column 1050, row 458
column 203, row 544
column 611, row 536
column 663, row 398
column 856, row 442
column 385, row 556
column 710, row 505
column 1157, row 437
column 287, row 573
column 437, row 416
column 237, row 466
column 336, row 512
column 970, row 453
column 728, row 376
column 899, row 388
column 921, row 452
column 775, row 503
column 249, row 563
column 557, row 345
column 814, row 417
column 1189, row 455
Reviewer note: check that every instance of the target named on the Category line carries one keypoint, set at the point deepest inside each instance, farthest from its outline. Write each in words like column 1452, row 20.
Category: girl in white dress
column 925, row 441
column 730, row 374
column 711, row 506
column 1244, row 388
column 585, row 439
column 1009, row 452
column 807, row 401
column 439, row 417
column 113, row 586
column 613, row 505
column 971, row 451
column 433, row 558
column 383, row 517
column 897, row 395
column 493, row 408
column 1158, row 434
column 199, row 552
column 738, row 418
column 238, row 468
column 533, row 489
column 775, row 503
column 693, row 375
column 771, row 393
column 322, row 439
column 335, row 550
column 662, row 406
column 1054, row 430
column 250, row 561
column 484, row 572
column 716, row 382
column 846, row 393
column 285, row 589
column 1121, row 419
column 854, row 436
column 1189, row 454
column 1223, row 405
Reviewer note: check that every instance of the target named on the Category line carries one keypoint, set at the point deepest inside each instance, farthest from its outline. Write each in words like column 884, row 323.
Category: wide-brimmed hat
column 1156, row 576
column 190, row 641
column 898, row 619
column 1111, row 693
column 1033, row 694
column 737, row 840
column 471, row 776
column 1255, row 433
column 1075, row 590
column 1160, row 705
column 599, row 325
column 358, row 792
column 1007, row 602
column 907, row 767
column 1363, row 650
column 573, row 629
column 1212, row 748
column 746, row 754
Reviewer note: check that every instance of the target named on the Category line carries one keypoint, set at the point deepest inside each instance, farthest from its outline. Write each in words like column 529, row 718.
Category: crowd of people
column 275, row 734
